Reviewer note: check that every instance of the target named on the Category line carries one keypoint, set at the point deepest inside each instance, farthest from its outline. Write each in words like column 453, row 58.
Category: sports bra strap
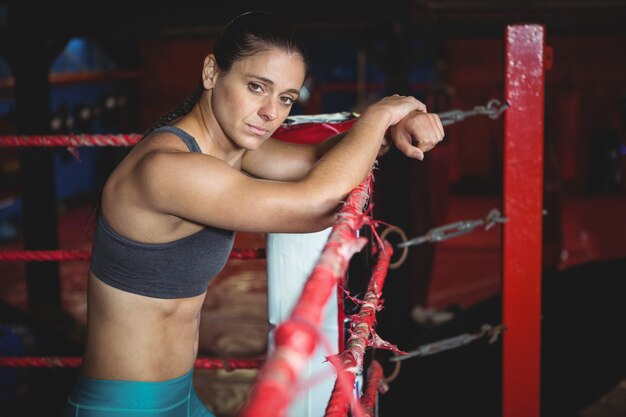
column 189, row 140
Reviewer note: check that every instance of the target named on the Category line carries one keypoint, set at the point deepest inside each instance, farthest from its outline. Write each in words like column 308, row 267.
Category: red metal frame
column 523, row 190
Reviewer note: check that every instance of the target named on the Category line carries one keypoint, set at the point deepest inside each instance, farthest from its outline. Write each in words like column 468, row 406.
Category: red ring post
column 523, row 190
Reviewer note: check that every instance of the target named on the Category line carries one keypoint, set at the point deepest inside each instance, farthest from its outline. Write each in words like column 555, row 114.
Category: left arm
column 284, row 161
column 414, row 135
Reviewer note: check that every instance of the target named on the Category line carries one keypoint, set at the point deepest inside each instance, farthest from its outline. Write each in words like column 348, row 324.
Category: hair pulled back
column 254, row 32
column 244, row 36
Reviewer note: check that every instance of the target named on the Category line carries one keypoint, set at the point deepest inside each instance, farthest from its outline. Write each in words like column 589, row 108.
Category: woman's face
column 254, row 97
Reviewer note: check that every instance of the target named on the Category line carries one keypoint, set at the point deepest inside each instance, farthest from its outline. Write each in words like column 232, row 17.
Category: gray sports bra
column 177, row 269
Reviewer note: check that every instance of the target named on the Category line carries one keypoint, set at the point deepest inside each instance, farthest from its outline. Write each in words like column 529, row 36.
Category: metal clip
column 494, row 217
column 493, row 332
column 493, row 110
column 449, row 231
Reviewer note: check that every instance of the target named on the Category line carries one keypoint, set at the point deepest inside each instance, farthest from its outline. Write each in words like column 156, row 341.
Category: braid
column 179, row 111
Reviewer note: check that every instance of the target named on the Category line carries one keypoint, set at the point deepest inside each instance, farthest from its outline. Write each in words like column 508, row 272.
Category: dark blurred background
column 116, row 66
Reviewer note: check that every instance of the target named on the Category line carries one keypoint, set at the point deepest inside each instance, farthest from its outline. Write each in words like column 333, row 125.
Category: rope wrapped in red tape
column 374, row 381
column 297, row 337
column 350, row 361
column 71, row 141
column 300, row 129
column 45, row 255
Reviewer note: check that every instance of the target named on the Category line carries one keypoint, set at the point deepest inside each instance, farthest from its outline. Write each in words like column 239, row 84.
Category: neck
column 201, row 123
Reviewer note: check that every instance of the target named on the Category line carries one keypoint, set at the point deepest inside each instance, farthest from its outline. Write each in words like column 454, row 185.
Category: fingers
column 417, row 134
column 404, row 143
column 421, row 107
column 418, row 105
column 400, row 106
column 439, row 126
column 431, row 134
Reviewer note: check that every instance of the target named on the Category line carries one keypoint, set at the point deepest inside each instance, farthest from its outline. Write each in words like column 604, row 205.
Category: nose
column 269, row 109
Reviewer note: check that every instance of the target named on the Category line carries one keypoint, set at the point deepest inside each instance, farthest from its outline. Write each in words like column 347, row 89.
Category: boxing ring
column 298, row 336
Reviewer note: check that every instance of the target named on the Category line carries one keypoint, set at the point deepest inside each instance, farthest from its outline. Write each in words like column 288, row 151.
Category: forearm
column 348, row 158
column 324, row 147
column 352, row 158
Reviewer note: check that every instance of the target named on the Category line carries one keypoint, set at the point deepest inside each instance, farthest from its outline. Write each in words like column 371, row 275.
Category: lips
column 257, row 130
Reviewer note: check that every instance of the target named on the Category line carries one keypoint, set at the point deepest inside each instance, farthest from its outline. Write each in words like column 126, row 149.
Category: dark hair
column 244, row 36
column 251, row 33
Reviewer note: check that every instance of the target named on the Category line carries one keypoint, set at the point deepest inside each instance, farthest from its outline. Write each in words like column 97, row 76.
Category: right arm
column 415, row 134
column 207, row 191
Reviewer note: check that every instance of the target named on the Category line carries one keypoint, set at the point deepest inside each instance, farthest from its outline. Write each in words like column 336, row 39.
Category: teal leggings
column 106, row 398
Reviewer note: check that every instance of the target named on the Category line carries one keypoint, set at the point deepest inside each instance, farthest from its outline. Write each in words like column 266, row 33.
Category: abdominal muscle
column 138, row 338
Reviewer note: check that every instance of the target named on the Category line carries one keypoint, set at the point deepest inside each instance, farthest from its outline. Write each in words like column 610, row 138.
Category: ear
column 210, row 71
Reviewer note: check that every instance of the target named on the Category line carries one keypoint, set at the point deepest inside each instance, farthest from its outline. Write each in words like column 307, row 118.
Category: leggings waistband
column 131, row 394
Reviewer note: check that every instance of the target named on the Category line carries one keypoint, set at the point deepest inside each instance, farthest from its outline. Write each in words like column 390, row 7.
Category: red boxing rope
column 75, row 362
column 69, row 140
column 82, row 255
column 258, row 253
column 374, row 380
column 45, row 255
column 301, row 132
column 297, row 337
column 361, row 336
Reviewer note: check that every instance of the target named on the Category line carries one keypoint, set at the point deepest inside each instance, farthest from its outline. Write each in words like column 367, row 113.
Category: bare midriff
column 138, row 338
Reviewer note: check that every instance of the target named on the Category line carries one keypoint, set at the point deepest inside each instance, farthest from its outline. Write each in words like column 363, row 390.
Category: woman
column 169, row 210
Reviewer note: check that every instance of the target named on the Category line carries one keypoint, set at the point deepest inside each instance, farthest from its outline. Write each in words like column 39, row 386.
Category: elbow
column 324, row 222
column 322, row 211
column 308, row 223
column 321, row 203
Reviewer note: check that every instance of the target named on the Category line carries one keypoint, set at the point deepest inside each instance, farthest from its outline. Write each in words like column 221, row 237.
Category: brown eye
column 288, row 101
column 257, row 88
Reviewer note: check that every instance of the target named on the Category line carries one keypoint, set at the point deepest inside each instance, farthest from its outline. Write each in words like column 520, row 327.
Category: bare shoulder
column 169, row 185
column 163, row 169
column 152, row 198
